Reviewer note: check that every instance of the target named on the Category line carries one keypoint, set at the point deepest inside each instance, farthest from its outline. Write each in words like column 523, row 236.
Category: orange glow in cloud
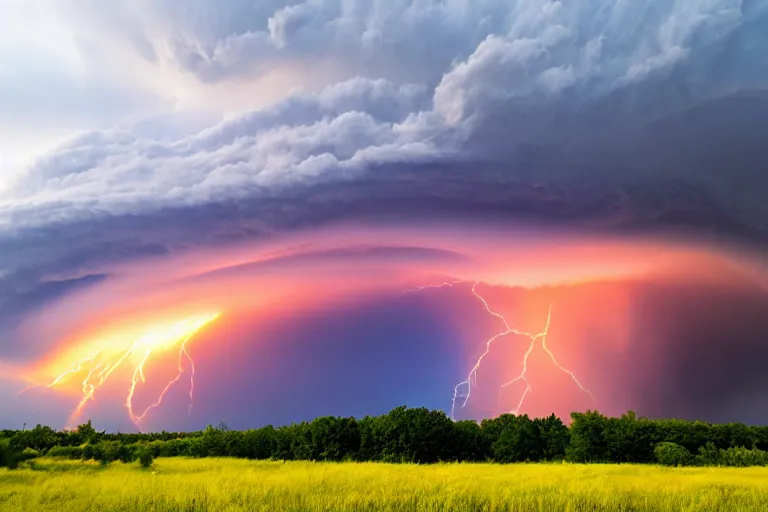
column 90, row 364
column 152, row 308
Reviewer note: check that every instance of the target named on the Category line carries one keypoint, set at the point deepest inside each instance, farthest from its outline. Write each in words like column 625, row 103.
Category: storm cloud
column 139, row 131
column 583, row 91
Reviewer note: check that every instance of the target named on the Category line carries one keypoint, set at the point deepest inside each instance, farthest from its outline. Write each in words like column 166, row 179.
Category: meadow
column 229, row 485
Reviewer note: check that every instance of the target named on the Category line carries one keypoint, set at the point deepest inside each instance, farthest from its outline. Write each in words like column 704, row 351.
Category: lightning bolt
column 99, row 366
column 463, row 390
column 447, row 284
column 137, row 419
column 191, row 379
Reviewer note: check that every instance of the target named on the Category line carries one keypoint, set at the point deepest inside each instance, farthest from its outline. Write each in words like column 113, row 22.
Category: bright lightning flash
column 97, row 368
column 463, row 390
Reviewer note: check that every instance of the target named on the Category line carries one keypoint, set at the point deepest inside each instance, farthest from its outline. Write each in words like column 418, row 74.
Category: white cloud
column 594, row 50
column 305, row 138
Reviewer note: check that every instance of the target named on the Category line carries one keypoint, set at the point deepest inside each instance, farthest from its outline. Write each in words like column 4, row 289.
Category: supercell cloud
column 587, row 88
column 141, row 132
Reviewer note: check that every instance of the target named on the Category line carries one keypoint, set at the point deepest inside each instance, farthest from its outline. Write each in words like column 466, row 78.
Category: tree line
column 417, row 435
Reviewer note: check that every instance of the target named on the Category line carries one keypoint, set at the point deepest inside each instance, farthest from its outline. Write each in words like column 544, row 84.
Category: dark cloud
column 19, row 302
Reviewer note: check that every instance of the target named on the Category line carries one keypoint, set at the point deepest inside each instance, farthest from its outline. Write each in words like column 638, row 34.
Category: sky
column 263, row 212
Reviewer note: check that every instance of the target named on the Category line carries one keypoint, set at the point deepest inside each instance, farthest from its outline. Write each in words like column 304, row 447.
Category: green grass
column 225, row 485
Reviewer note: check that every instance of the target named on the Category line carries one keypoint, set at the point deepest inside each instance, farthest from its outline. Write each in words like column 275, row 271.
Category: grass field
column 223, row 485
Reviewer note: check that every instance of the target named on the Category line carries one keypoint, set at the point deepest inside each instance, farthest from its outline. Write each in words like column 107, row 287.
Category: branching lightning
column 98, row 367
column 463, row 390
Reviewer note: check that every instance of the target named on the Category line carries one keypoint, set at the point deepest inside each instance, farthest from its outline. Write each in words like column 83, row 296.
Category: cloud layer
column 502, row 80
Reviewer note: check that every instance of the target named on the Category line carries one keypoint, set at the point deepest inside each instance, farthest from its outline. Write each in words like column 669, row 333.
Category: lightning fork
column 98, row 368
column 523, row 374
column 472, row 377
column 463, row 390
column 554, row 359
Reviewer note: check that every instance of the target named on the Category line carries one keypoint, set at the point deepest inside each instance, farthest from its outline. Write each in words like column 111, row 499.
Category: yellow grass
column 225, row 485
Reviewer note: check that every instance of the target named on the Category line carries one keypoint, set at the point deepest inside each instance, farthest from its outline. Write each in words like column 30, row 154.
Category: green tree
column 519, row 441
column 145, row 457
column 8, row 458
column 731, row 435
column 372, row 437
column 671, row 454
column 259, row 443
column 738, row 456
column 334, row 439
column 39, row 438
column 690, row 434
column 213, row 442
column 587, row 443
column 84, row 433
column 105, row 452
column 416, row 435
column 630, row 439
column 761, row 437
column 468, row 443
column 554, row 437
column 492, row 428
column 709, row 455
